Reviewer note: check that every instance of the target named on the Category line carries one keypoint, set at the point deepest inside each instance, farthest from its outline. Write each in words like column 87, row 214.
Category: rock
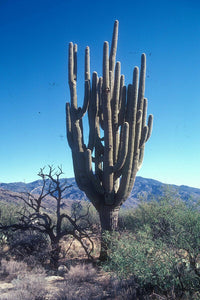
column 52, row 279
column 62, row 269
column 4, row 286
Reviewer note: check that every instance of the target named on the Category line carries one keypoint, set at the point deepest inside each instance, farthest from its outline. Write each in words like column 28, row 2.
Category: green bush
column 159, row 246
column 152, row 264
column 9, row 214
column 173, row 222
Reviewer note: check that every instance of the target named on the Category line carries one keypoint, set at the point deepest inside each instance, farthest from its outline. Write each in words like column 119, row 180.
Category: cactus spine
column 105, row 168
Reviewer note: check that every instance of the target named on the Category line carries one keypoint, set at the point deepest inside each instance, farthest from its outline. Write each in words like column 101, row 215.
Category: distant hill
column 144, row 189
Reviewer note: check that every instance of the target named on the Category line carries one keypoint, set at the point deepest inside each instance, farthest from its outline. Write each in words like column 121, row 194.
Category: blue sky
column 33, row 79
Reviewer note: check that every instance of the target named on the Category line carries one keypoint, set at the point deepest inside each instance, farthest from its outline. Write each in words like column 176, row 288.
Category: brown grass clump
column 82, row 281
column 82, row 272
column 86, row 282
column 31, row 285
column 75, row 291
column 12, row 268
column 27, row 285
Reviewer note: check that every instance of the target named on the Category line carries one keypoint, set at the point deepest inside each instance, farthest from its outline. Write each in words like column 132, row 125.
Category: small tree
column 35, row 216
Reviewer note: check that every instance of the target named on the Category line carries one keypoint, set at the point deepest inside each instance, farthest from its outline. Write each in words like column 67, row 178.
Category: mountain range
column 144, row 189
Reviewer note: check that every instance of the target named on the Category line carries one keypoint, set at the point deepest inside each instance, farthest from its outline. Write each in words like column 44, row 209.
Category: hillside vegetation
column 146, row 189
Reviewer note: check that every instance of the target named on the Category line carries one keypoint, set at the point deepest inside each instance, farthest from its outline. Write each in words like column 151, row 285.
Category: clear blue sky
column 34, row 37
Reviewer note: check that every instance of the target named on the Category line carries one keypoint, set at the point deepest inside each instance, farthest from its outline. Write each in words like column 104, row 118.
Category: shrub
column 172, row 222
column 152, row 264
column 30, row 246
column 9, row 214
column 161, row 248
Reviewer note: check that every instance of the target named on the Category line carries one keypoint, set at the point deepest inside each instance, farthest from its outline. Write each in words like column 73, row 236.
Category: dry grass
column 82, row 281
column 26, row 285
column 12, row 268
column 81, row 273
column 31, row 285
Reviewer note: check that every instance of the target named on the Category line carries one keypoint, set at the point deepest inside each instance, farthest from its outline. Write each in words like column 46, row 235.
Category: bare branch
column 33, row 216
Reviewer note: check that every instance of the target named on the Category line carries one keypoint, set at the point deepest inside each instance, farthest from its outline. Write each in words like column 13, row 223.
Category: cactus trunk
column 108, row 217
column 106, row 166
column 109, row 221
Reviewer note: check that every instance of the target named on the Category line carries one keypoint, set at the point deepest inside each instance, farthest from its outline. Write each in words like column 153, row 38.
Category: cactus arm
column 142, row 102
column 111, row 83
column 135, row 158
column 93, row 111
column 142, row 82
column 71, row 63
column 100, row 88
column 112, row 56
column 108, row 138
column 150, row 126
column 75, row 49
column 131, row 115
column 128, row 105
column 122, row 150
column 144, row 137
column 121, row 89
column 68, row 125
column 72, row 68
column 99, row 148
column 113, row 50
column 136, row 154
column 122, row 112
column 83, row 180
column 87, row 63
column 83, row 110
column 144, row 133
column 115, row 112
column 81, row 128
column 122, row 103
column 144, row 116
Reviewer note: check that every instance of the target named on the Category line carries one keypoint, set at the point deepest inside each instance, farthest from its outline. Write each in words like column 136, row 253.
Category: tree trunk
column 54, row 254
column 109, row 222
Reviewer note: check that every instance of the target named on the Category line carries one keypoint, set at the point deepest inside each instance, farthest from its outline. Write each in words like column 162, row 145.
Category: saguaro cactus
column 105, row 168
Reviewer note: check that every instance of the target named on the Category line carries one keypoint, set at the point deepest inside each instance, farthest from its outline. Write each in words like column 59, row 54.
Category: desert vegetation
column 154, row 254
column 159, row 247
